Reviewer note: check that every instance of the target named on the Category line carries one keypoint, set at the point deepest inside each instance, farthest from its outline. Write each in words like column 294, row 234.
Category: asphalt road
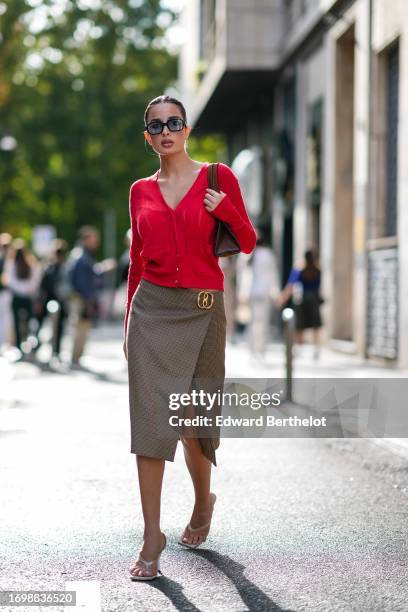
column 299, row 524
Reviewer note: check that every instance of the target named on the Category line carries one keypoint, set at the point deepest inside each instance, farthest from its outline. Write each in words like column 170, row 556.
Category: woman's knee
column 188, row 441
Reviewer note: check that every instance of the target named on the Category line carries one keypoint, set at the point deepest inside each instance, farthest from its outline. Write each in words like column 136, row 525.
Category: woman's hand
column 278, row 300
column 212, row 199
column 38, row 308
column 125, row 349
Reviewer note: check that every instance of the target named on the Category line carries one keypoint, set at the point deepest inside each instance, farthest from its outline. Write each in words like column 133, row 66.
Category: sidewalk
column 331, row 364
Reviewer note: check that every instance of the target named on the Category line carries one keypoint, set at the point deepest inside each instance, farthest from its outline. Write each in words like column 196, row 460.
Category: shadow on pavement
column 252, row 596
column 65, row 369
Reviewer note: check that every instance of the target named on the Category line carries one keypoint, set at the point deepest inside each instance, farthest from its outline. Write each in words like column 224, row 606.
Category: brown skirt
column 176, row 343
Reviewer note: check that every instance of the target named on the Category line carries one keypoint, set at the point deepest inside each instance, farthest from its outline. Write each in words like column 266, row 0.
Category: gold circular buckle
column 205, row 299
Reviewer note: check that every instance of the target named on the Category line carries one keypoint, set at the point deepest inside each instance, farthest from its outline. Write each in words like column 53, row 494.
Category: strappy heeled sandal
column 199, row 529
column 148, row 564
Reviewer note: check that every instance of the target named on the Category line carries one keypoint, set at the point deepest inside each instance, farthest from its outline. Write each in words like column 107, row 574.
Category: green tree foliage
column 75, row 78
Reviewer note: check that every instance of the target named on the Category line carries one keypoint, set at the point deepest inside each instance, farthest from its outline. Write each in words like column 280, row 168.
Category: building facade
column 309, row 94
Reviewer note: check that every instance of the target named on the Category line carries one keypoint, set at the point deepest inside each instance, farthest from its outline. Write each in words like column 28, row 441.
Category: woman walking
column 308, row 308
column 23, row 274
column 175, row 316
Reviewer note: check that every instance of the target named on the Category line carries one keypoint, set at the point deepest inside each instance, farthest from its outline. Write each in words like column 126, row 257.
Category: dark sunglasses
column 175, row 124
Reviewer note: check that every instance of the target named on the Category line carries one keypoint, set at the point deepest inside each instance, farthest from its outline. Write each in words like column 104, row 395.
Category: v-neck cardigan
column 174, row 247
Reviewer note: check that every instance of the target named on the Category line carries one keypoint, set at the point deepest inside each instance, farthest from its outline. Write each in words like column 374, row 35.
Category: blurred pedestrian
column 264, row 289
column 23, row 274
column 86, row 277
column 119, row 303
column 5, row 295
column 54, row 293
column 307, row 279
column 228, row 267
column 242, row 314
column 123, row 262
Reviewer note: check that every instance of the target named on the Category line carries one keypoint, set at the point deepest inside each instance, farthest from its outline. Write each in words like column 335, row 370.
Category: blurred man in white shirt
column 263, row 289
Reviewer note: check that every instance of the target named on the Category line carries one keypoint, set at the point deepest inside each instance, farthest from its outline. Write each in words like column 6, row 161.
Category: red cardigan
column 174, row 247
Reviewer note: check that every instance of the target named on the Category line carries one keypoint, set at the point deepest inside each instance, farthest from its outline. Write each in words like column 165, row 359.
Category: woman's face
column 175, row 140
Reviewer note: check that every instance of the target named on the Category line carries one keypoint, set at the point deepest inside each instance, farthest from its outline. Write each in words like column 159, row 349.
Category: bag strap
column 213, row 177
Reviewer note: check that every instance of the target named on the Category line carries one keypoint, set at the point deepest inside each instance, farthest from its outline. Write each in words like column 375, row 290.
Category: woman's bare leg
column 300, row 335
column 200, row 471
column 316, row 341
column 150, row 484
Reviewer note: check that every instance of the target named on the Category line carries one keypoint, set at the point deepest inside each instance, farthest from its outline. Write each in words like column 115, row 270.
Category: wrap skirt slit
column 173, row 347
